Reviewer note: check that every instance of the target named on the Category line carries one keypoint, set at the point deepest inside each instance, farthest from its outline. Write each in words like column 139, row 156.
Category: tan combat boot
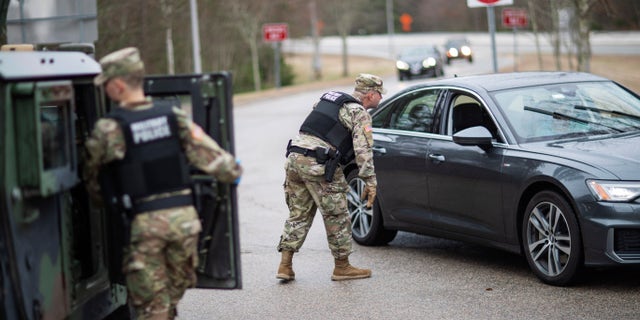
column 345, row 271
column 285, row 269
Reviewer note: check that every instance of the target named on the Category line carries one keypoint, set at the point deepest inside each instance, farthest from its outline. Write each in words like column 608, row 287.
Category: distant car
column 419, row 61
column 538, row 163
column 458, row 49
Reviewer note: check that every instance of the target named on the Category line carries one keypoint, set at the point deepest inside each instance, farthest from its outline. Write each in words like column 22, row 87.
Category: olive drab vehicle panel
column 57, row 248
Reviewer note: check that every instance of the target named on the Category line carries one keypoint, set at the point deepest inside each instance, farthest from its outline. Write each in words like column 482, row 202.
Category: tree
column 343, row 13
column 167, row 7
column 582, row 28
column 4, row 7
column 247, row 16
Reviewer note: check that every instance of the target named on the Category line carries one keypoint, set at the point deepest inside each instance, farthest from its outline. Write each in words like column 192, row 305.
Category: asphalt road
column 415, row 277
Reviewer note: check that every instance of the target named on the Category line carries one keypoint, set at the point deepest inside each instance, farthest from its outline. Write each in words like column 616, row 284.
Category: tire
column 551, row 239
column 366, row 224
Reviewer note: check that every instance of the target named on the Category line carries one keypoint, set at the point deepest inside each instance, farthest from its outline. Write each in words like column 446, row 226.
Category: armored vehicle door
column 207, row 98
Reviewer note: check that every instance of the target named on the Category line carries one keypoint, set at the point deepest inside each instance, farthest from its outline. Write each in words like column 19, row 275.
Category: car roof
column 457, row 40
column 501, row 81
column 419, row 50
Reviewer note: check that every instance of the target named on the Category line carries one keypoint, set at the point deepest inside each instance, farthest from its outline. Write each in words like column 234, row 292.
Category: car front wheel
column 551, row 239
column 366, row 223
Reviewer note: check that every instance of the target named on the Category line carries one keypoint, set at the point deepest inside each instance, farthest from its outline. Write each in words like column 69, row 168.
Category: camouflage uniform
column 306, row 189
column 162, row 255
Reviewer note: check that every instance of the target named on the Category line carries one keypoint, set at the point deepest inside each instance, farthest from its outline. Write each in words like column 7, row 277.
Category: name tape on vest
column 331, row 96
column 150, row 130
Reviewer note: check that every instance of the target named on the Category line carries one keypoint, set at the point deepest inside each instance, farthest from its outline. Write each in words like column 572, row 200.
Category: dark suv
column 458, row 49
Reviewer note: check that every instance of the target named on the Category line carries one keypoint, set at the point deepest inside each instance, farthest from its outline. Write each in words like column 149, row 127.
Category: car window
column 413, row 112
column 466, row 112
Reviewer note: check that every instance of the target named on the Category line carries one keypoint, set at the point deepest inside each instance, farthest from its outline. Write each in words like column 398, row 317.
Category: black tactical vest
column 154, row 160
column 324, row 123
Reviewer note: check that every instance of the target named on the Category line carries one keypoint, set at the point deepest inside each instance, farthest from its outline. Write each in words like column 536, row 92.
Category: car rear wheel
column 366, row 223
column 551, row 239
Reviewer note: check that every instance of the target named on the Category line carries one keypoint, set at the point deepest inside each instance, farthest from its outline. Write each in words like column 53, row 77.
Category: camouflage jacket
column 107, row 143
column 355, row 118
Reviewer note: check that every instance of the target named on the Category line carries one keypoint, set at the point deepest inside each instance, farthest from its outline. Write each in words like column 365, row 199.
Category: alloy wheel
column 548, row 239
column 361, row 217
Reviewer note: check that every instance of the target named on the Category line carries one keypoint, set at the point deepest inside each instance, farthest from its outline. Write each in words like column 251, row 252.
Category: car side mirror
column 474, row 136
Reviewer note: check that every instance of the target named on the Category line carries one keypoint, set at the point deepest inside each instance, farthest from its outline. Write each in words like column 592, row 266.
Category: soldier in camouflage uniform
column 338, row 128
column 161, row 258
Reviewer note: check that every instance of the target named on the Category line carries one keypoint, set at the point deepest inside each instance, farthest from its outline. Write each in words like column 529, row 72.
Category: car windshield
column 456, row 43
column 419, row 52
column 559, row 111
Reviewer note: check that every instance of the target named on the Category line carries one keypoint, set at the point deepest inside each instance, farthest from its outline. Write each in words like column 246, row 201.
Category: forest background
column 231, row 35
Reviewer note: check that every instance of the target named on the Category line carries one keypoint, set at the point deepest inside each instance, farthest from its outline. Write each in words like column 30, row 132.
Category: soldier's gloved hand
column 369, row 194
column 237, row 180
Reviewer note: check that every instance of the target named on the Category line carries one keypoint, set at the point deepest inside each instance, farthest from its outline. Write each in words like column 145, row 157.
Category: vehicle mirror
column 473, row 136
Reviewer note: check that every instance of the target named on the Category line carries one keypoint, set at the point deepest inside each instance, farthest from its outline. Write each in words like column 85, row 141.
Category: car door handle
column 436, row 157
column 380, row 150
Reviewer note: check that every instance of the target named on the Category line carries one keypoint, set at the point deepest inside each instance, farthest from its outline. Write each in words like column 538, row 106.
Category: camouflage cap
column 119, row 63
column 366, row 82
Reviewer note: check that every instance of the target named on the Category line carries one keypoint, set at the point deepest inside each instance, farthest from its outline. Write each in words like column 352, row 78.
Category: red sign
column 488, row 3
column 513, row 17
column 275, row 32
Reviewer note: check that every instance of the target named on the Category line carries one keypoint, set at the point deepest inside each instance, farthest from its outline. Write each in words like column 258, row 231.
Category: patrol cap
column 366, row 82
column 119, row 63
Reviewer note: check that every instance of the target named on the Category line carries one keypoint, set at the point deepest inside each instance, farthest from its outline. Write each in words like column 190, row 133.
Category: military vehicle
column 59, row 252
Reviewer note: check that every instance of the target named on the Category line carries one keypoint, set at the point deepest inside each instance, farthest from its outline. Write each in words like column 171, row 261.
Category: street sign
column 488, row 3
column 275, row 32
column 514, row 18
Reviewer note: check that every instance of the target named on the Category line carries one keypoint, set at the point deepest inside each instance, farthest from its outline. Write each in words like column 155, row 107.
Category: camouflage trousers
column 161, row 259
column 306, row 191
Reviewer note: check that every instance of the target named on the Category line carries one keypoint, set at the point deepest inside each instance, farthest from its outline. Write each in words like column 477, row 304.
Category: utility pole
column 317, row 73
column 195, row 37
column 390, row 29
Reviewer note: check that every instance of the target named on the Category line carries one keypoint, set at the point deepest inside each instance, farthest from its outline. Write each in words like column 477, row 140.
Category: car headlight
column 465, row 50
column 429, row 62
column 453, row 52
column 402, row 65
column 614, row 191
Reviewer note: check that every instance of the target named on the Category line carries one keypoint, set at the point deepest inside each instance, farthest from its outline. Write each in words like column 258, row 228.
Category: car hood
column 618, row 156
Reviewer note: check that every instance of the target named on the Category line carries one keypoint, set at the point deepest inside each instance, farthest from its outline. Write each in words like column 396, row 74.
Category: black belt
column 303, row 151
column 163, row 203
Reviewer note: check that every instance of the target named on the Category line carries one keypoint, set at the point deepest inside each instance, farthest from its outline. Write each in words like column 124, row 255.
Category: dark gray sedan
column 419, row 61
column 546, row 164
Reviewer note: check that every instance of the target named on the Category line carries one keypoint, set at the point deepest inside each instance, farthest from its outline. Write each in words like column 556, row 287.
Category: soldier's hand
column 369, row 194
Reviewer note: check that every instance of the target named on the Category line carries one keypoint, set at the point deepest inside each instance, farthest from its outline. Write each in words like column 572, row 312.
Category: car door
column 402, row 132
column 207, row 98
column 465, row 182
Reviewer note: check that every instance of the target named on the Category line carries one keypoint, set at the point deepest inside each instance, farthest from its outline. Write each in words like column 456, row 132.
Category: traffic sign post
column 275, row 33
column 491, row 19
column 514, row 18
